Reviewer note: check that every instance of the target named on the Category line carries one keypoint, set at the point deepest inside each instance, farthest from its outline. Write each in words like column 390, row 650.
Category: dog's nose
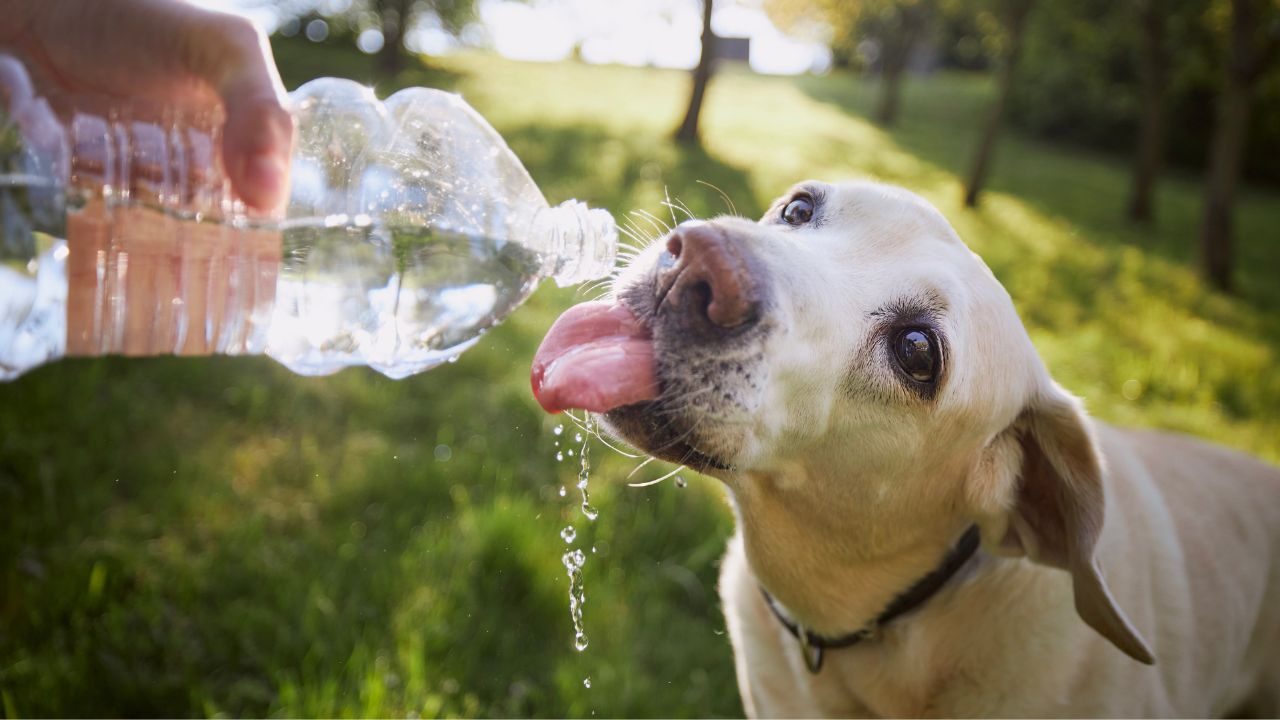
column 707, row 274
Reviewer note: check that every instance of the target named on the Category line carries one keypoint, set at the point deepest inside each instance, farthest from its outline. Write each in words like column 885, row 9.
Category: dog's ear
column 1058, row 509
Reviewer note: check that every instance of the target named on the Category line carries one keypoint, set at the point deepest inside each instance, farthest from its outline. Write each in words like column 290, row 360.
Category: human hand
column 166, row 53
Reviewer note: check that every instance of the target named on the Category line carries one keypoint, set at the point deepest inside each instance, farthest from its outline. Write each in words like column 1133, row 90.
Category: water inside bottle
column 400, row 299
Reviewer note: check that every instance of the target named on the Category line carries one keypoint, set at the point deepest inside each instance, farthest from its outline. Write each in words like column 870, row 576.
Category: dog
column 927, row 524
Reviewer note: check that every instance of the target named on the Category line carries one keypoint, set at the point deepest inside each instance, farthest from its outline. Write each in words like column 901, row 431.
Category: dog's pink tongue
column 596, row 356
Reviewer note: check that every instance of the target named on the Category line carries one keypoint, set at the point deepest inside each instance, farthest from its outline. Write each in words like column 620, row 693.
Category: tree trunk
column 1155, row 74
column 886, row 113
column 1225, row 155
column 898, row 44
column 1016, row 27
column 688, row 130
column 1247, row 56
column 395, row 18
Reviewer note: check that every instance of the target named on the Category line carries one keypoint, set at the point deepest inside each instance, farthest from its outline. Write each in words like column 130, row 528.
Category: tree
column 1015, row 14
column 1154, row 72
column 688, row 130
column 1252, row 45
column 394, row 17
column 899, row 27
column 896, row 26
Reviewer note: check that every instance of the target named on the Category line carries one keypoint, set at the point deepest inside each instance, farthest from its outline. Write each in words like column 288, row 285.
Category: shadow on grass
column 629, row 171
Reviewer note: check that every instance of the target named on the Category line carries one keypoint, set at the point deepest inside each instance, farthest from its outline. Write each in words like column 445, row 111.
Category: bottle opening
column 581, row 243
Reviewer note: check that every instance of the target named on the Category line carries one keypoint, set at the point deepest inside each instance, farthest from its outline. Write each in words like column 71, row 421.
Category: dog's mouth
column 601, row 357
column 663, row 432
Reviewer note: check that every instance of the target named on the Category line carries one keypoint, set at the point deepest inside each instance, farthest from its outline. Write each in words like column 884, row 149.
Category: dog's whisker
column 638, row 236
column 681, row 208
column 649, row 483
column 636, row 469
column 617, row 449
column 595, row 286
column 725, row 196
column 666, row 194
column 592, row 429
column 685, row 208
column 660, row 228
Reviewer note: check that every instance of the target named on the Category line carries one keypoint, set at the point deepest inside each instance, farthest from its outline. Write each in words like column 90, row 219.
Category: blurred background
column 221, row 537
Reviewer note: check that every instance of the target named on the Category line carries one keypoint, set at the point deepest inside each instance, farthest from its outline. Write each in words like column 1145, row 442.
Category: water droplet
column 560, row 458
column 590, row 511
column 568, row 534
column 558, row 429
column 573, row 561
column 443, row 453
column 562, row 491
column 577, row 437
column 681, row 482
column 593, row 549
column 453, row 358
column 586, row 683
column 570, row 453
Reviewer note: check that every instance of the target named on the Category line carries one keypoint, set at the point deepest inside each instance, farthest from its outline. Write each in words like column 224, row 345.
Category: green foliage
column 1087, row 51
column 845, row 24
column 220, row 537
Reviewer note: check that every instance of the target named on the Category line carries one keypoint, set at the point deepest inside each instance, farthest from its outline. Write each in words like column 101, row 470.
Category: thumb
column 256, row 144
column 234, row 58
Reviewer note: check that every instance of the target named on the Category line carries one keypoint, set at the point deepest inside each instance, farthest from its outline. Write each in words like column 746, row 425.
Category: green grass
column 205, row 537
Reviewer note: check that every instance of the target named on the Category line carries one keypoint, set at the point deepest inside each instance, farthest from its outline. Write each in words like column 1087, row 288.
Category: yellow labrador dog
column 928, row 525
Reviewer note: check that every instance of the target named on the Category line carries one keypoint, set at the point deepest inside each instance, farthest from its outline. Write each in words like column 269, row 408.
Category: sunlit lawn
column 221, row 537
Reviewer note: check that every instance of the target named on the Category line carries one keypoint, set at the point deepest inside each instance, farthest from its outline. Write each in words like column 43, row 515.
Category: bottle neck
column 578, row 243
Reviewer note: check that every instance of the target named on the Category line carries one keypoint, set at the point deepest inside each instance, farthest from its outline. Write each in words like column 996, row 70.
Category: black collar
column 812, row 645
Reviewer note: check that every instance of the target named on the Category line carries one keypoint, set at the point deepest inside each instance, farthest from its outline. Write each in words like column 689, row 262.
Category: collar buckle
column 811, row 652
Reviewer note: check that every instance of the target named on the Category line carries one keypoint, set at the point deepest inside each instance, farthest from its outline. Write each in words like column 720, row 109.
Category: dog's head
column 849, row 347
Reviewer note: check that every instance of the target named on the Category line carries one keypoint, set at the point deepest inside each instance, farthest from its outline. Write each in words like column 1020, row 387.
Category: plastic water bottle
column 411, row 228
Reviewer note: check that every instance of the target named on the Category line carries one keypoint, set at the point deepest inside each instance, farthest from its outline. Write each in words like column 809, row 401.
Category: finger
column 234, row 58
column 15, row 84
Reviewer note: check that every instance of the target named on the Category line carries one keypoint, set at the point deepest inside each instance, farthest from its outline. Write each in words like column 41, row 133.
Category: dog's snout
column 708, row 275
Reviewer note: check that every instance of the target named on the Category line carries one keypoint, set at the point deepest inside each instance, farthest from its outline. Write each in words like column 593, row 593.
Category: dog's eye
column 915, row 351
column 799, row 211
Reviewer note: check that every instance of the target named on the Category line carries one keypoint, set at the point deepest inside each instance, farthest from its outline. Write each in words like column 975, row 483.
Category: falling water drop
column 586, row 683
column 584, row 474
column 560, row 458
column 577, row 437
column 563, row 492
column 568, row 533
column 558, row 429
column 573, row 561
column 681, row 482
